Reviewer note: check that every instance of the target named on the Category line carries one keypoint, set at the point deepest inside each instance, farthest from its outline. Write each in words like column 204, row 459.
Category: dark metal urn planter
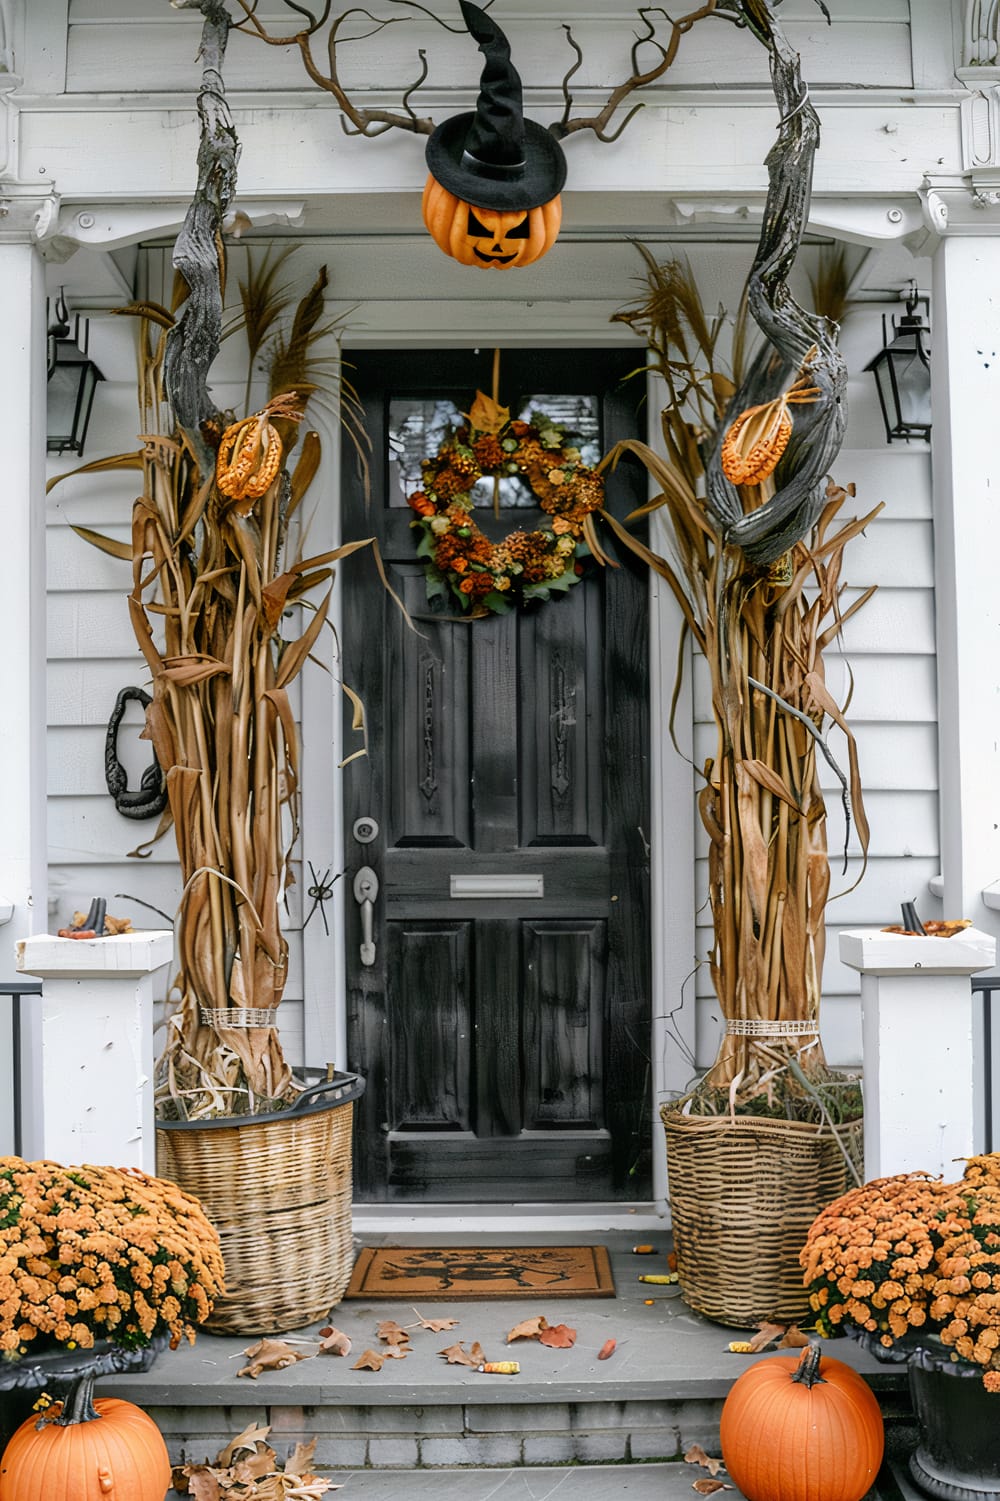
column 957, row 1457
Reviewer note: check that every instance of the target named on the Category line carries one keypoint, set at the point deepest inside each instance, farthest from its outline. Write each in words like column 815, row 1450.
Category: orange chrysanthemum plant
column 100, row 1253
column 912, row 1262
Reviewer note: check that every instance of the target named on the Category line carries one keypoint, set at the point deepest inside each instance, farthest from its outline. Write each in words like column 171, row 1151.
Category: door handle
column 365, row 892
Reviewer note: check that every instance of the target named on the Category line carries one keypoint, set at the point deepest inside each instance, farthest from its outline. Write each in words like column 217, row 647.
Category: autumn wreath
column 493, row 577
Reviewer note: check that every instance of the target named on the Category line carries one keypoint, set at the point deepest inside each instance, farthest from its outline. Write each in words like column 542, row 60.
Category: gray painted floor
column 663, row 1351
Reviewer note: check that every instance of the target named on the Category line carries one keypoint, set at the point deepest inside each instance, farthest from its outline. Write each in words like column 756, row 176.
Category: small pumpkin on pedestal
column 492, row 197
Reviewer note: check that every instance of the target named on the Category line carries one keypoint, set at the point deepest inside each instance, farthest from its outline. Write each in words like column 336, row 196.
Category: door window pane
column 418, row 428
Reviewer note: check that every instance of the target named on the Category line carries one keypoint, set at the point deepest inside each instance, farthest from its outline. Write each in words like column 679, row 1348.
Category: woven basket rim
column 675, row 1120
column 326, row 1094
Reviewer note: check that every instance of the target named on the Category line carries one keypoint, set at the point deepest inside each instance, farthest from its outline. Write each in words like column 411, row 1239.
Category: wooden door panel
column 430, row 1041
column 552, row 1166
column 428, row 786
column 563, row 672
column 504, row 1035
column 564, row 1025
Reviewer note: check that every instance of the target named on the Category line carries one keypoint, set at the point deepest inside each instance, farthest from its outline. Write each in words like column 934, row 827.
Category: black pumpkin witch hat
column 495, row 158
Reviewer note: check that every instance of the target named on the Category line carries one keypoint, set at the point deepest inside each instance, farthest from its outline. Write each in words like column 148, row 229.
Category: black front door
column 502, row 1021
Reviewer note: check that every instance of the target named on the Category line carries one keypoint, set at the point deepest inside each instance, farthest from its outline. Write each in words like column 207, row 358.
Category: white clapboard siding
column 143, row 46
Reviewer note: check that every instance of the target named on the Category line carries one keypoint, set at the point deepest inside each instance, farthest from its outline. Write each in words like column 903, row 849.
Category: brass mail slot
column 497, row 886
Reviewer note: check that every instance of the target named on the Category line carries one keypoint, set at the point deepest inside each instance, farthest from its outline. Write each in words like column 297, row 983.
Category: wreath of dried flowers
column 495, row 577
column 100, row 1253
column 913, row 1259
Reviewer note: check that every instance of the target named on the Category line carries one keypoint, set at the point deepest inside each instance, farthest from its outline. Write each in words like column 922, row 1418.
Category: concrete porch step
column 660, row 1392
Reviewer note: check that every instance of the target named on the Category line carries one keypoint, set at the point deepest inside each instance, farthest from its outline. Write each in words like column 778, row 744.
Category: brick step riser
column 440, row 1436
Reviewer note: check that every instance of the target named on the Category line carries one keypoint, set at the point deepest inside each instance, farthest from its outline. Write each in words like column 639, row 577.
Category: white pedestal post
column 23, row 874
column 92, row 1074
column 917, row 1038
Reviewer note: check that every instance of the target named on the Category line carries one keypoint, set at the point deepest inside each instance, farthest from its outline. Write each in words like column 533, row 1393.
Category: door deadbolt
column 365, row 830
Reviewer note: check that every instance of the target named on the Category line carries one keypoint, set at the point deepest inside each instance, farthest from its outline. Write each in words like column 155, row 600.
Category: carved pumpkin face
column 486, row 237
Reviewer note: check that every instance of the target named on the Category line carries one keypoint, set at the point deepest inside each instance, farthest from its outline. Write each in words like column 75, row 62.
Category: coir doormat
column 497, row 1272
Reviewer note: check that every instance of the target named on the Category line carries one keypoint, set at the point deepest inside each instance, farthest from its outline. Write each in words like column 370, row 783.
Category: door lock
column 365, row 830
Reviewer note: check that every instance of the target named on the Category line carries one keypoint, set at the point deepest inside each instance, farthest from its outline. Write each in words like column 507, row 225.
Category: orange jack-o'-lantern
column 486, row 236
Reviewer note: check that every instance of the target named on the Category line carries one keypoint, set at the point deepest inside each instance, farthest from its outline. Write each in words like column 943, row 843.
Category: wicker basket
column 277, row 1187
column 743, row 1192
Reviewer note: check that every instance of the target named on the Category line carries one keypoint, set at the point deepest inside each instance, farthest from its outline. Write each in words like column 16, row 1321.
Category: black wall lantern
column 73, row 378
column 902, row 374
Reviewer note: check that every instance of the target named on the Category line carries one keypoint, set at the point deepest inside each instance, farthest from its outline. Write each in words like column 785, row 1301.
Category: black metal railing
column 988, row 986
column 15, row 989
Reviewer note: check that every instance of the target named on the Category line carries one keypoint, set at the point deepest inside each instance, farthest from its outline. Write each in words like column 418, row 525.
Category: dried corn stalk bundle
column 213, row 582
column 756, row 549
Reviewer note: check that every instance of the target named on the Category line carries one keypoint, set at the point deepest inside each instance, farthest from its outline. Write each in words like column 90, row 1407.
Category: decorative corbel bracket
column 962, row 204
column 26, row 215
column 860, row 221
column 112, row 226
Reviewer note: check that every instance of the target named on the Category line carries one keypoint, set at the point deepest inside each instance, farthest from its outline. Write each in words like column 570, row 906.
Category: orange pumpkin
column 793, row 1432
column 119, row 1455
column 485, row 236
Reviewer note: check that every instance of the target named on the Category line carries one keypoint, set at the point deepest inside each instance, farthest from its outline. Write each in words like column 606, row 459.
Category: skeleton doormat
column 407, row 1272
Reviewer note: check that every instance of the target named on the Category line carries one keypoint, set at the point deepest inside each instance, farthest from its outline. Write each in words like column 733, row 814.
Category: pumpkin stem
column 807, row 1371
column 78, row 1406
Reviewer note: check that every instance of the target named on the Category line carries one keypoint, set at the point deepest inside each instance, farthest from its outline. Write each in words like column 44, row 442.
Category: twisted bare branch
column 639, row 80
column 375, row 122
column 797, row 342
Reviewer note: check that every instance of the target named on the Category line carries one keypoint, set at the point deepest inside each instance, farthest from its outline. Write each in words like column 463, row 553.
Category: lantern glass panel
column 72, row 382
column 913, row 388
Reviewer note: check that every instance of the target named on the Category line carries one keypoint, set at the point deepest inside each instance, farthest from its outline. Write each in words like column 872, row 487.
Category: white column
column 917, row 1034
column 965, row 373
column 93, row 1077
column 22, row 662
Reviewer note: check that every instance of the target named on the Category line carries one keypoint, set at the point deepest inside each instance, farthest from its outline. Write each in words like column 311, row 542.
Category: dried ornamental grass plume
column 912, row 1258
column 100, row 1253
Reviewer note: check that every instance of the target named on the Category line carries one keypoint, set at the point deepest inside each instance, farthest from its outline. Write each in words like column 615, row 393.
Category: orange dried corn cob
column 759, row 436
column 250, row 452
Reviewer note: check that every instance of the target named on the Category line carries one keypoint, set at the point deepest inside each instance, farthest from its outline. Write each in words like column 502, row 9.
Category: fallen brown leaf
column 794, row 1339
column 766, row 1335
column 249, row 1468
column 697, row 1456
column 334, row 1341
column 607, row 1349
column 435, row 1326
column 371, row 1360
column 253, row 1473
column 203, row 1483
column 391, row 1333
column 558, row 1337
column 252, row 1435
column 456, row 1355
column 706, row 1487
column 269, row 1355
column 529, row 1329
column 301, row 1458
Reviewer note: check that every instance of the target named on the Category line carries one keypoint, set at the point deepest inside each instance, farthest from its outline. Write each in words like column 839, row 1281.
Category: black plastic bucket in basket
column 277, row 1187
